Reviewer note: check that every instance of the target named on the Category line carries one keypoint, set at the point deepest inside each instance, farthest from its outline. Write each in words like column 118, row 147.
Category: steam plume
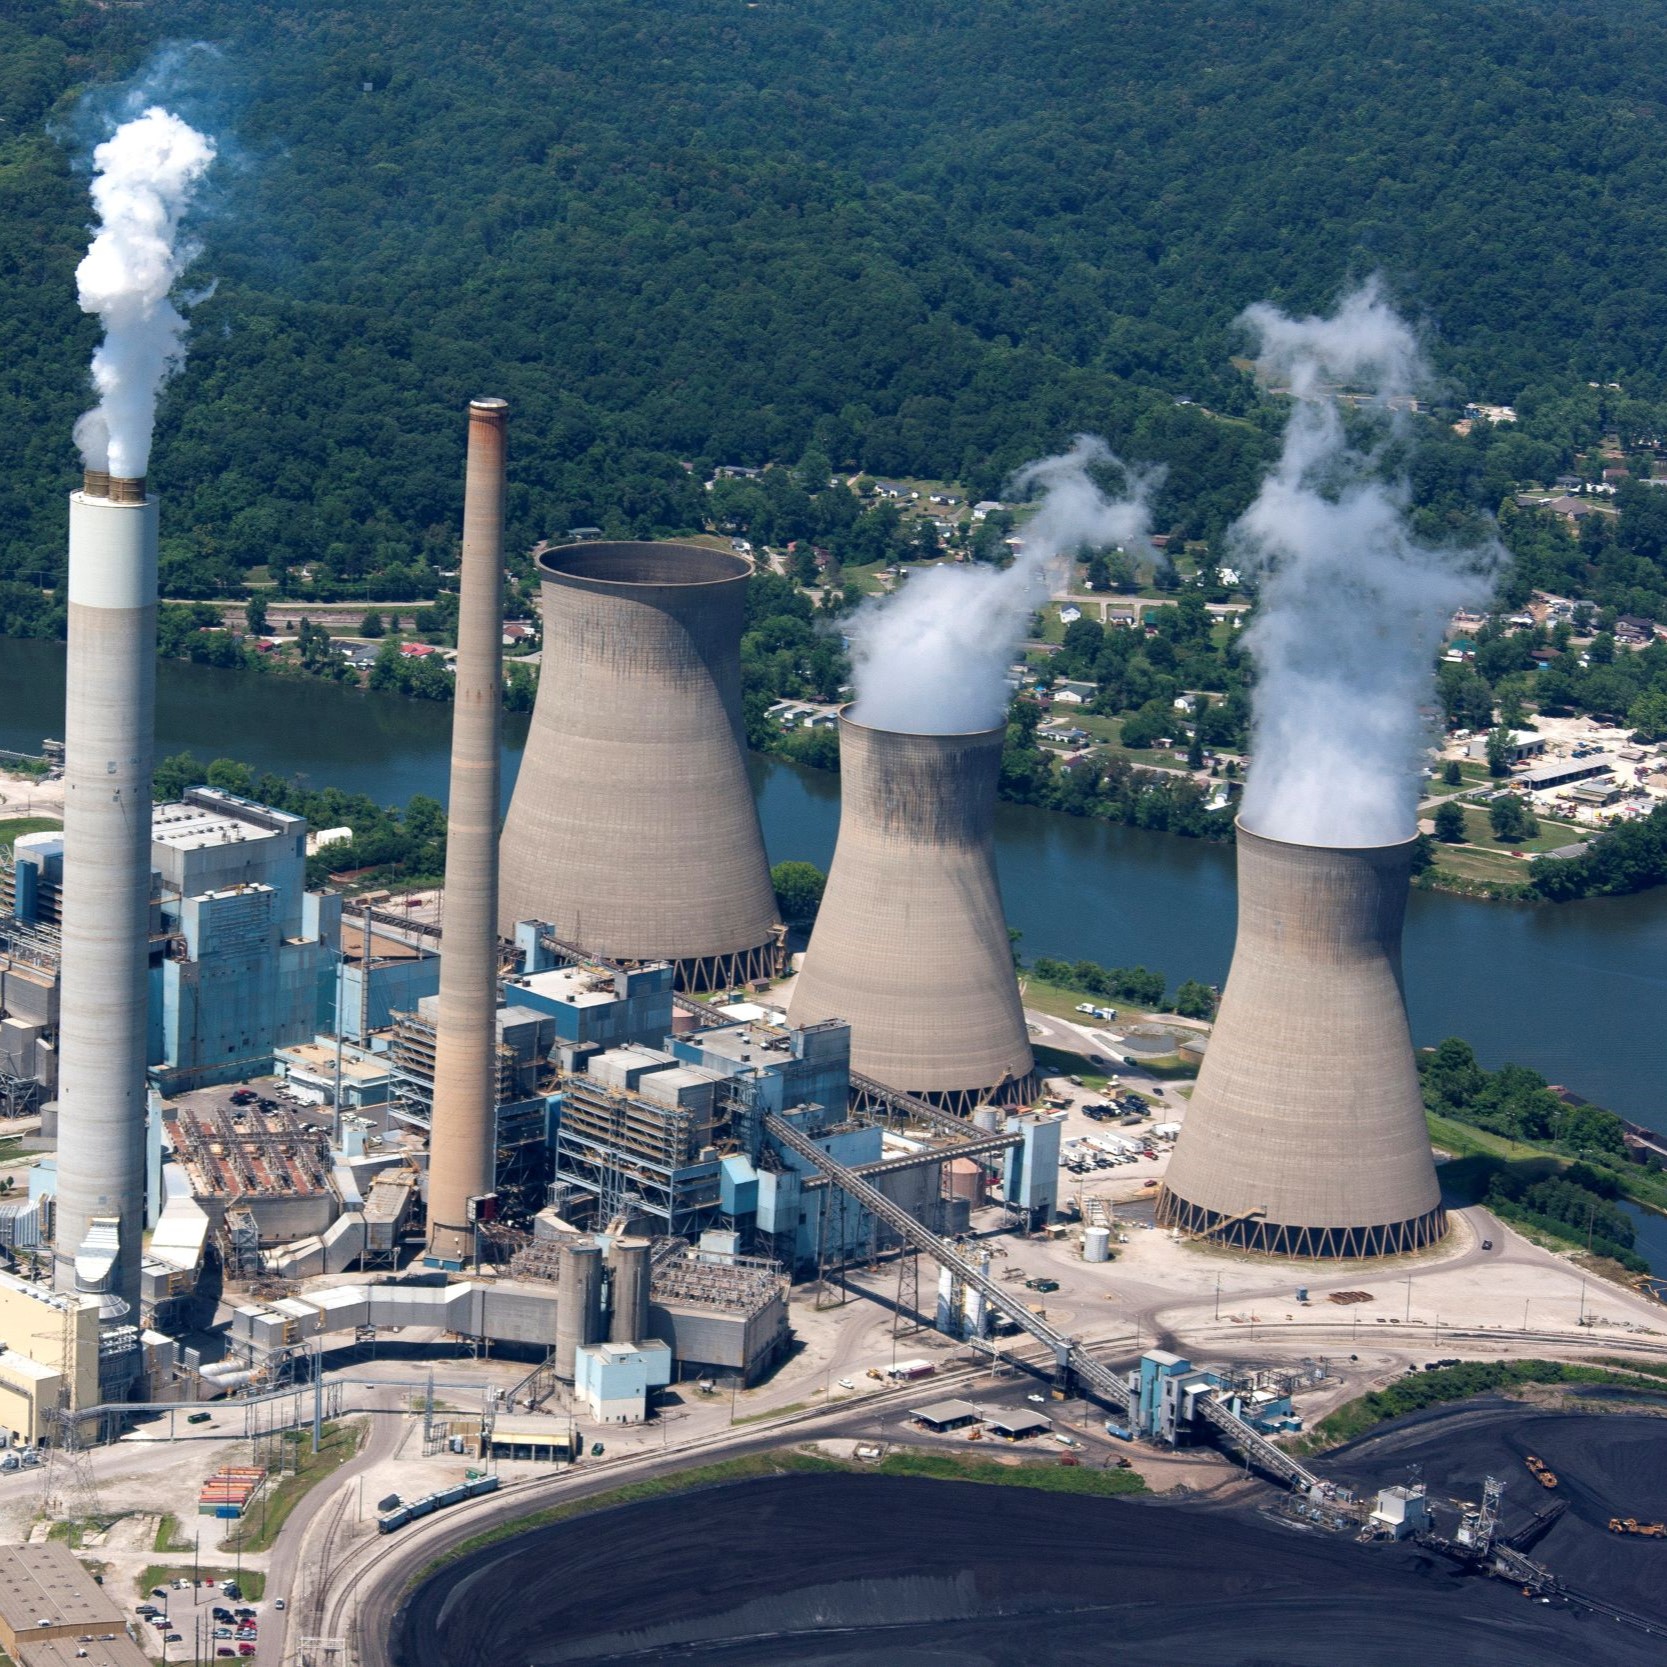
column 932, row 658
column 1352, row 605
column 144, row 176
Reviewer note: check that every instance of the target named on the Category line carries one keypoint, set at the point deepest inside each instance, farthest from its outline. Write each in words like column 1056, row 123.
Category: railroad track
column 344, row 1588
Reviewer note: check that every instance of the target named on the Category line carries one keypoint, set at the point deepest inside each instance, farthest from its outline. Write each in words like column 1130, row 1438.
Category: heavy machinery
column 1644, row 1530
column 1538, row 1469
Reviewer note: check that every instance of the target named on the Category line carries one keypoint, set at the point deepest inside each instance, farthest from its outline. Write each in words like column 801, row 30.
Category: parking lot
column 201, row 1620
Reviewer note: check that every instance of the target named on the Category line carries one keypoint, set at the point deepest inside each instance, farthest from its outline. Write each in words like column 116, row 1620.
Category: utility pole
column 1218, row 1293
column 318, row 1390
column 1409, row 1299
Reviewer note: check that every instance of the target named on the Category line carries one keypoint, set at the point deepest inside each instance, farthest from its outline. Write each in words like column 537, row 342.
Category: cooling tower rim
column 848, row 721
column 1240, row 828
column 590, row 563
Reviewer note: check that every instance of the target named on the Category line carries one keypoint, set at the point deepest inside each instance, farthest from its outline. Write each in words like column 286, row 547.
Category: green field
column 16, row 827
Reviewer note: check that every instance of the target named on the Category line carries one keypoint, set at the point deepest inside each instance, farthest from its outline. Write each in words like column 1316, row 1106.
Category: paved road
column 384, row 1438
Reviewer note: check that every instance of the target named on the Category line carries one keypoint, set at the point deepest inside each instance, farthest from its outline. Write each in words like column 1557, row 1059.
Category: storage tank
column 632, row 831
column 578, row 1302
column 911, row 944
column 1305, row 1135
column 1096, row 1244
column 628, row 1316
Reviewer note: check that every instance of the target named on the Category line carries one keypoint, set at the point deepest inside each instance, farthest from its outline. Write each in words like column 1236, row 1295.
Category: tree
column 1512, row 820
column 371, row 625
column 254, row 615
column 1195, row 1001
column 1451, row 773
column 1449, row 823
column 1501, row 752
column 799, row 887
column 1648, row 715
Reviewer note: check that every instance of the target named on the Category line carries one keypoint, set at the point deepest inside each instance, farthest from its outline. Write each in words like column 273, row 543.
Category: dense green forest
column 910, row 237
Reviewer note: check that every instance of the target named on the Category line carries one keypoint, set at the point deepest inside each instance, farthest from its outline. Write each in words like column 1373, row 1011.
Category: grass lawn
column 1552, row 833
column 17, row 826
column 260, row 1527
column 1468, row 862
column 1055, row 1062
column 252, row 1582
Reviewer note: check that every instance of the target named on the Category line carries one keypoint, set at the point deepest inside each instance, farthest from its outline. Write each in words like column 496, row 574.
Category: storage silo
column 1306, row 1135
column 911, row 944
column 578, row 1302
column 632, row 832
column 628, row 1271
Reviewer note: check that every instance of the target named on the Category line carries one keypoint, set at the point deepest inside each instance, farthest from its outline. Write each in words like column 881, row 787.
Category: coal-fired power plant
column 108, row 723
column 1306, row 1133
column 462, row 1138
column 911, row 945
column 632, row 832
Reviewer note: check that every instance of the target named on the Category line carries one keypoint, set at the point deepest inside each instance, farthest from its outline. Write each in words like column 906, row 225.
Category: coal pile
column 890, row 1572
column 1606, row 1465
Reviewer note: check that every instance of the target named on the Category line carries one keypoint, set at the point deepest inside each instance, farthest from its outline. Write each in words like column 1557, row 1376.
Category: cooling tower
column 911, row 944
column 632, row 831
column 463, row 1129
column 109, row 715
column 1305, row 1135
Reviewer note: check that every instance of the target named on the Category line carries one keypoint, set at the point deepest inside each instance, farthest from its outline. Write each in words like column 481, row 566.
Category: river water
column 1578, row 992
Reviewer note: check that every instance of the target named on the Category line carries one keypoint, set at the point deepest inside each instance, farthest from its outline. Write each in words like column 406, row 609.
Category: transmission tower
column 69, row 1489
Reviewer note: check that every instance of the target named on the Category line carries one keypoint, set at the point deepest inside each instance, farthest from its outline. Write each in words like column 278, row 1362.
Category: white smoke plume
column 1352, row 606
column 144, row 176
column 932, row 658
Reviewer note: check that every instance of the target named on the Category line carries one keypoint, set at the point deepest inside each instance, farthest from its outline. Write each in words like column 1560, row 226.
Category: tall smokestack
column 108, row 722
column 911, row 944
column 1306, row 1133
column 462, row 1139
column 632, row 831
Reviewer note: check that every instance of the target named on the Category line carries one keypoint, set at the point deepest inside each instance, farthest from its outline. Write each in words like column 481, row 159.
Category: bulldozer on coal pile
column 1644, row 1530
column 1538, row 1469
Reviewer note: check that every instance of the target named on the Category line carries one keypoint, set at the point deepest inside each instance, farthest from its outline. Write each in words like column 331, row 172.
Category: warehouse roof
column 946, row 1414
column 48, row 1585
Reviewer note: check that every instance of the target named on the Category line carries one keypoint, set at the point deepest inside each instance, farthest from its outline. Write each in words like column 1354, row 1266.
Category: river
column 1578, row 992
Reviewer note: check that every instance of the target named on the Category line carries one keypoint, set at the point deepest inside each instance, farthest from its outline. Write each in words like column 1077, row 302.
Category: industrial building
column 1306, row 1135
column 241, row 959
column 632, row 832
column 910, row 946
column 54, row 1614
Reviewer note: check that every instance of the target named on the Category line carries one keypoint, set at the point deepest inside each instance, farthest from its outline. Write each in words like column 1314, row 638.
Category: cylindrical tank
column 628, row 1319
column 109, row 719
column 911, row 944
column 1096, row 1244
column 632, row 832
column 461, row 1154
column 578, row 1302
column 965, row 1179
column 1305, row 1135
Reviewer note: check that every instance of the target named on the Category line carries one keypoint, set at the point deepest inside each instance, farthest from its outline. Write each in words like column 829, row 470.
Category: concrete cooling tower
column 911, row 944
column 632, row 831
column 109, row 714
column 1306, row 1134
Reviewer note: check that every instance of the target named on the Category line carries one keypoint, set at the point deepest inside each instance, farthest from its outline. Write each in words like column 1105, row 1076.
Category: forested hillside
column 921, row 237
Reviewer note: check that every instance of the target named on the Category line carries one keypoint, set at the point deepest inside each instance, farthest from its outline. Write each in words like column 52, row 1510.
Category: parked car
column 278, row 1604
column 245, row 1649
